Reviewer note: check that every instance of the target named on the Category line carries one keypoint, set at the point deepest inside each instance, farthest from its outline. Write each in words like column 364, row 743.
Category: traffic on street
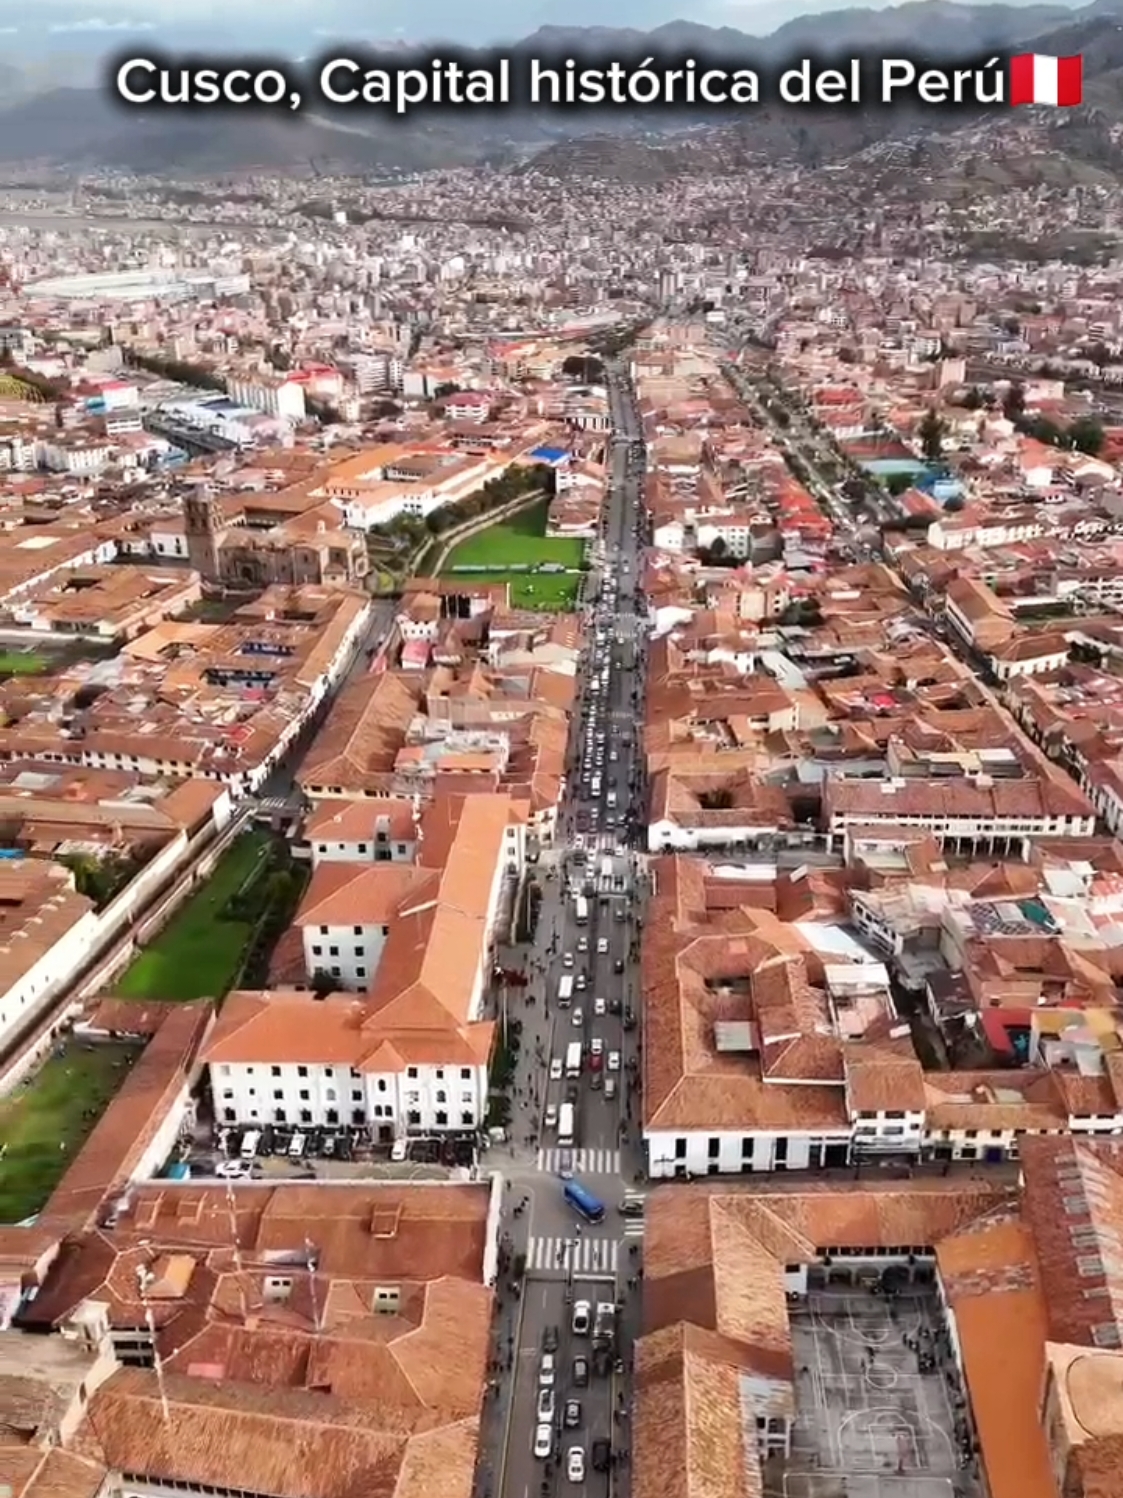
column 574, row 1196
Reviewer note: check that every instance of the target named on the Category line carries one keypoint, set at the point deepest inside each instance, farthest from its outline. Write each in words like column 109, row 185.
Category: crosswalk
column 589, row 1162
column 563, row 1256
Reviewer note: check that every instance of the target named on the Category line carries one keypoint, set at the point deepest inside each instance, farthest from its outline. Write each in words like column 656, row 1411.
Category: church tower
column 204, row 527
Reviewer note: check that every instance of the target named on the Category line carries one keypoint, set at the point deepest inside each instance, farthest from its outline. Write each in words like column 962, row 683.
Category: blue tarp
column 549, row 455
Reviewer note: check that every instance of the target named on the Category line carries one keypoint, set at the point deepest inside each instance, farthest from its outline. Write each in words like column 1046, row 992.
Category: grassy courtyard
column 21, row 663
column 521, row 541
column 44, row 1123
column 199, row 952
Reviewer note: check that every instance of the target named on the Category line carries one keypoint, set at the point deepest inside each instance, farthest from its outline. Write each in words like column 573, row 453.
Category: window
column 275, row 1071
column 467, row 1118
column 302, row 1071
column 387, row 1300
column 442, row 1120
column 465, row 1073
column 411, row 1071
column 356, row 931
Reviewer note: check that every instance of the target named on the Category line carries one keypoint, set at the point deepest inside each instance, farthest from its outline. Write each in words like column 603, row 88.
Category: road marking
column 582, row 1255
column 592, row 1162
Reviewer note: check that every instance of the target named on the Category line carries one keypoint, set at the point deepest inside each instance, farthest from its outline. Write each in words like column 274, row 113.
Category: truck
column 565, row 991
column 573, row 1059
column 582, row 908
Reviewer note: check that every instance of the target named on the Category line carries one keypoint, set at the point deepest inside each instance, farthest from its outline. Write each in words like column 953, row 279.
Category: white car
column 600, row 1006
column 582, row 943
column 556, row 1069
column 551, row 1118
column 546, row 1406
column 578, row 1018
column 602, row 945
column 575, row 1464
column 544, row 1442
column 582, row 1318
column 614, row 1060
column 232, row 1170
column 596, row 1046
column 547, row 1371
column 567, row 960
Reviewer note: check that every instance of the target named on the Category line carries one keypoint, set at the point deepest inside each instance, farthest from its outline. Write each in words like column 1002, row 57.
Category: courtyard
column 47, row 1119
column 869, row 1423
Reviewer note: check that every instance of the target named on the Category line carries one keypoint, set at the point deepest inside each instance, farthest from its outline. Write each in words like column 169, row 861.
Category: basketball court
column 869, row 1424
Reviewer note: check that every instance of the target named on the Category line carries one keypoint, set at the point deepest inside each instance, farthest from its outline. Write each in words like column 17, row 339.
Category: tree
column 973, row 398
column 718, row 548
column 1014, row 402
column 931, row 433
column 1087, row 435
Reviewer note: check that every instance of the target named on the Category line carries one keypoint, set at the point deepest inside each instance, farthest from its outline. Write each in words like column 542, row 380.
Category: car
column 614, row 1060
column 550, row 1339
column 582, row 1318
column 232, row 1170
column 631, row 1206
column 551, row 1116
column 600, row 1006
column 546, row 1405
column 578, row 1017
column 602, row 1455
column 581, row 982
column 547, row 1370
column 602, row 945
column 615, row 1006
column 596, row 1076
column 544, row 1442
column 610, row 1087
column 582, row 943
column 596, row 1046
column 629, row 1018
column 618, row 966
column 575, row 1464
column 556, row 1069
column 580, row 1373
column 567, row 960
column 565, row 1165
column 572, row 1416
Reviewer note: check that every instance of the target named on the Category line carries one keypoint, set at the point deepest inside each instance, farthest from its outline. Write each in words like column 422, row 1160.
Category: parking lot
column 869, row 1422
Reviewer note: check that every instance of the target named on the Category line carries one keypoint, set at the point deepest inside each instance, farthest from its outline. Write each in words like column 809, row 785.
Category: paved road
column 569, row 1260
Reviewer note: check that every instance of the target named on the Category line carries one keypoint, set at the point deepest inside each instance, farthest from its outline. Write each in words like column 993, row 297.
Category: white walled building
column 411, row 1055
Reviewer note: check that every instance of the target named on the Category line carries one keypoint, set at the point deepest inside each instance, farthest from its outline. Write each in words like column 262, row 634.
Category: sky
column 295, row 28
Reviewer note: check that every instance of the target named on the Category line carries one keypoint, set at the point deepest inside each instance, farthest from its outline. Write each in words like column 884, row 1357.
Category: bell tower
column 203, row 526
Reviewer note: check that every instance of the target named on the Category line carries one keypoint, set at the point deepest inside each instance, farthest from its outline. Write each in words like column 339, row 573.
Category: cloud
column 9, row 31
column 96, row 23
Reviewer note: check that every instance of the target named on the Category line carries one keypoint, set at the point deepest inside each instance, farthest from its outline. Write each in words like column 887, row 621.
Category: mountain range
column 80, row 126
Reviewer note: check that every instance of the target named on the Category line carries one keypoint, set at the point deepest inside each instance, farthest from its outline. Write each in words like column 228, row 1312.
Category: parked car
column 582, row 1318
column 580, row 1373
column 575, row 1464
column 602, row 1455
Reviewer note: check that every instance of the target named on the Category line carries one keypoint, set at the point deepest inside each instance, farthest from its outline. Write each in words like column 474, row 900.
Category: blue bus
column 582, row 1200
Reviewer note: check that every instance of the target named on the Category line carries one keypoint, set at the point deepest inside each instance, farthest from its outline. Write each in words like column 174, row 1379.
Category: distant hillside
column 80, row 128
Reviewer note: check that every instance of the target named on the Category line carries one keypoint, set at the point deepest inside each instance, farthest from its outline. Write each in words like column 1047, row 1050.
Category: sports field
column 521, row 542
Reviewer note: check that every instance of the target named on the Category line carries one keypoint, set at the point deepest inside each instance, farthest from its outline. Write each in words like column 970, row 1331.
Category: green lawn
column 198, row 953
column 518, row 541
column 21, row 663
column 58, row 1107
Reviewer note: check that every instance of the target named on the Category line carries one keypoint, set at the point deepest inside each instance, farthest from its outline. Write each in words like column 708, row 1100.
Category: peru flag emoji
column 1036, row 79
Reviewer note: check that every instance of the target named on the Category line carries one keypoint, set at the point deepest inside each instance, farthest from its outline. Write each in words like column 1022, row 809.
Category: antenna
column 236, row 1247
column 313, row 1263
column 144, row 1278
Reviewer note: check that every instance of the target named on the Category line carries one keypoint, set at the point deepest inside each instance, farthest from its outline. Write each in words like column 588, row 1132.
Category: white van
column 250, row 1143
column 296, row 1146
